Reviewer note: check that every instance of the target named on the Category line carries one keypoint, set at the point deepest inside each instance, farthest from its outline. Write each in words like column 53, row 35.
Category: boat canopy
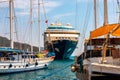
column 113, row 29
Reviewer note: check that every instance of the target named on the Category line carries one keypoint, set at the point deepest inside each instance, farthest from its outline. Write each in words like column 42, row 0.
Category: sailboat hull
column 21, row 67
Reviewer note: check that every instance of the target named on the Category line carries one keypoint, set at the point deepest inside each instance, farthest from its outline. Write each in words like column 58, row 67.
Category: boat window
column 115, row 53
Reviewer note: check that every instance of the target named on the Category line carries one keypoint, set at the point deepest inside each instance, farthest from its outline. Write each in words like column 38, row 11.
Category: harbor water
column 57, row 70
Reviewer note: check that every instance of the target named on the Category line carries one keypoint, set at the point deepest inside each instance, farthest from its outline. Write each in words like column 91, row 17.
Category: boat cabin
column 94, row 47
column 8, row 54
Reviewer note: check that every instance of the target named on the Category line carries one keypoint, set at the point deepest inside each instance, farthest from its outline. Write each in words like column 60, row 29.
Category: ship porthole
column 10, row 65
column 26, row 65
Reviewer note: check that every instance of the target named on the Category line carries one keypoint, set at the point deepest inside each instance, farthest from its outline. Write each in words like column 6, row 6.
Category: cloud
column 56, row 17
column 4, row 3
column 78, row 0
column 22, row 13
column 52, row 4
column 22, row 4
column 25, row 5
column 22, row 7
column 3, row 0
column 84, row 1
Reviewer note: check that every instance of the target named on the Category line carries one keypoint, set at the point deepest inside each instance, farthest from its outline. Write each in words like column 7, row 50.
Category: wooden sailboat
column 101, row 55
column 13, row 60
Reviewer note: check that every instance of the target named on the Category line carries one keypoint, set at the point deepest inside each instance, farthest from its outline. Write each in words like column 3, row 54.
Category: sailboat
column 100, row 59
column 14, row 60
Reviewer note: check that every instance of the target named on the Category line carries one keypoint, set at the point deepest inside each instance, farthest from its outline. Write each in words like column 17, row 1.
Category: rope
column 119, row 10
column 76, row 14
column 54, row 72
column 47, row 25
column 15, row 24
column 85, row 24
column 44, row 10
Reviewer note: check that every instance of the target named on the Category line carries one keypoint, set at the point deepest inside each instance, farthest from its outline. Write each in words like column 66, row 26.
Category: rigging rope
column 47, row 26
column 15, row 23
column 85, row 24
column 119, row 10
column 44, row 10
column 76, row 14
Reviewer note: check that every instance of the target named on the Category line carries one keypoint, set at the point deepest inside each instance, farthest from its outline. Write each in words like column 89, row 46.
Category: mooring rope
column 54, row 72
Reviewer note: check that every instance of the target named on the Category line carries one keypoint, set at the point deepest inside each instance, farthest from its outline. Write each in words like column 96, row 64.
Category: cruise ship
column 61, row 39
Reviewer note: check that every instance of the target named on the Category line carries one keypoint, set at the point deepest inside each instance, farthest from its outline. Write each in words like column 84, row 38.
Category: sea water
column 57, row 70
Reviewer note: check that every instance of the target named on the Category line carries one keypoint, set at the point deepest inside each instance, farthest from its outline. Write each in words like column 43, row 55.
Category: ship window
column 14, row 66
column 19, row 66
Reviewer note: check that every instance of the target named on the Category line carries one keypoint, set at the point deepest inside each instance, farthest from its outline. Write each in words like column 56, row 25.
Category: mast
column 11, row 23
column 39, row 25
column 95, row 13
column 31, row 1
column 105, row 44
column 105, row 12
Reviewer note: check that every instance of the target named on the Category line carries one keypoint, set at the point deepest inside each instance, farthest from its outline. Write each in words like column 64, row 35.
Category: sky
column 79, row 13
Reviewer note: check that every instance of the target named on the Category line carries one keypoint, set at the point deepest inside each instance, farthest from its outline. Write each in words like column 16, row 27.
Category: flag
column 46, row 21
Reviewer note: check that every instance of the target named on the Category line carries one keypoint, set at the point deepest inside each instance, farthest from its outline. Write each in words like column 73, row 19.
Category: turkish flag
column 46, row 21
